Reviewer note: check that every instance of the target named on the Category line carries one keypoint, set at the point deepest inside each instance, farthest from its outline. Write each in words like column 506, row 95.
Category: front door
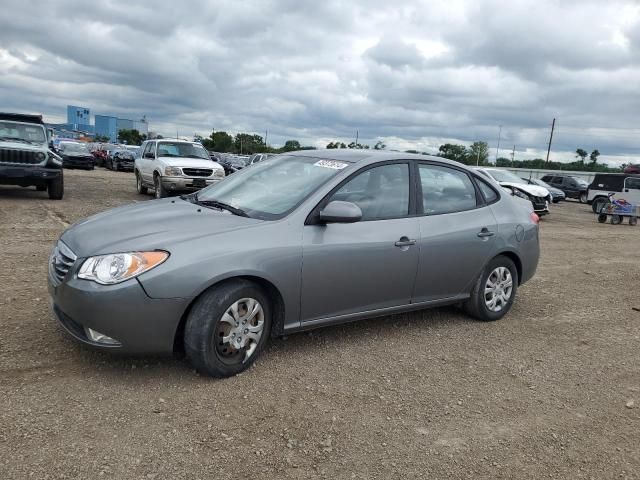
column 457, row 232
column 367, row 265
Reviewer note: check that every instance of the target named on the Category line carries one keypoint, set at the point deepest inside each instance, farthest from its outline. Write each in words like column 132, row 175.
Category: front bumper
column 185, row 184
column 27, row 175
column 78, row 162
column 139, row 324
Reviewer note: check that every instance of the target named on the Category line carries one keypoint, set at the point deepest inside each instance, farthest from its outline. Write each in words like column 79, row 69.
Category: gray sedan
column 296, row 242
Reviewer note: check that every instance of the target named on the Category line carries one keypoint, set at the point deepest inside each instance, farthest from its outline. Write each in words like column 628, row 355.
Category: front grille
column 197, row 172
column 60, row 262
column 9, row 155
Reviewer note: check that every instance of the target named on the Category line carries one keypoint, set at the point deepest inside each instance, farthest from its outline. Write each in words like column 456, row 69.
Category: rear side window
column 446, row 190
column 489, row 194
column 632, row 183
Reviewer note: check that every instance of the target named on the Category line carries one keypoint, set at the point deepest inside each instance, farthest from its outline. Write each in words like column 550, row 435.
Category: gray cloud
column 412, row 72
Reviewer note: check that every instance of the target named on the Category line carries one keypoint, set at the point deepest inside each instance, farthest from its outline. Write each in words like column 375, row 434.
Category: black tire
column 633, row 221
column 56, row 188
column 203, row 345
column 598, row 203
column 142, row 190
column 602, row 218
column 582, row 198
column 41, row 188
column 476, row 306
column 160, row 192
column 616, row 219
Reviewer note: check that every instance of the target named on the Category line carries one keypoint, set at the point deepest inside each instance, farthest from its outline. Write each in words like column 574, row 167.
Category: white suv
column 169, row 166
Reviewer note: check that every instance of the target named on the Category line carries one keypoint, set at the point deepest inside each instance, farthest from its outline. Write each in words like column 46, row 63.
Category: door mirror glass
column 149, row 155
column 340, row 212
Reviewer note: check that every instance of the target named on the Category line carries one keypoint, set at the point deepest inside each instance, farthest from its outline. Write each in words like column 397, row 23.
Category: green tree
column 594, row 157
column 581, row 154
column 478, row 153
column 219, row 142
column 247, row 143
column 131, row 137
column 453, row 152
column 379, row 145
column 101, row 139
column 291, row 145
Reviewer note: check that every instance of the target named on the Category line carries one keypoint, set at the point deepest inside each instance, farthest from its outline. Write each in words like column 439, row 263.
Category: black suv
column 573, row 187
column 25, row 157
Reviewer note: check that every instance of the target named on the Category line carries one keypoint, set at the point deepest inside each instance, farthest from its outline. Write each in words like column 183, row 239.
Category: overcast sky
column 412, row 73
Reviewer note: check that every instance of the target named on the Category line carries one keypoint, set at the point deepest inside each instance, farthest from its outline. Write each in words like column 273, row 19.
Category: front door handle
column 485, row 232
column 405, row 242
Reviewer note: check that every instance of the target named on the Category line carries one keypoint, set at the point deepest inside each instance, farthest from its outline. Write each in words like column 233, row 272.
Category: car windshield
column 22, row 131
column 540, row 183
column 244, row 161
column 274, row 187
column 75, row 147
column 505, row 176
column 580, row 181
column 182, row 149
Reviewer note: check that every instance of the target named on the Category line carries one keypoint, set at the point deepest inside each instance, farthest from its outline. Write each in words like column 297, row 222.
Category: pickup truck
column 25, row 157
column 174, row 166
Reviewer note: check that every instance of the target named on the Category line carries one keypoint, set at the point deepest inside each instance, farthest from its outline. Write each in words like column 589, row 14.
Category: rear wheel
column 583, row 197
column 56, row 188
column 142, row 190
column 616, row 219
column 633, row 220
column 602, row 218
column 227, row 328
column 598, row 203
column 495, row 290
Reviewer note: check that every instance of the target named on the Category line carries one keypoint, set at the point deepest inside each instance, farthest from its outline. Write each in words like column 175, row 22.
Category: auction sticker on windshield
column 331, row 164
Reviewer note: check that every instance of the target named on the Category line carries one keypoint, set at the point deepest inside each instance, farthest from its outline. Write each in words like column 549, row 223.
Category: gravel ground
column 552, row 390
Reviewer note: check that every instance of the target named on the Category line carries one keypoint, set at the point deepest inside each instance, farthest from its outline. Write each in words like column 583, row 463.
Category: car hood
column 534, row 190
column 149, row 225
column 31, row 147
column 190, row 162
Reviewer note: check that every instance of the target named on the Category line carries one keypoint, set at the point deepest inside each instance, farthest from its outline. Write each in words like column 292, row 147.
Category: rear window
column 613, row 183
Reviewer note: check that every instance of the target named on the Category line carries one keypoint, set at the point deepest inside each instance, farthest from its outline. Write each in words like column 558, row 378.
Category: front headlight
column 219, row 173
column 173, row 172
column 40, row 156
column 118, row 267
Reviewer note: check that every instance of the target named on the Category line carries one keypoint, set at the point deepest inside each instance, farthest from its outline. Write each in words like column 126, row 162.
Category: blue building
column 79, row 116
column 124, row 124
column 107, row 126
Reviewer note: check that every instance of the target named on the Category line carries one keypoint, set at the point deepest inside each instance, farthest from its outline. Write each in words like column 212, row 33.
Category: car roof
column 358, row 155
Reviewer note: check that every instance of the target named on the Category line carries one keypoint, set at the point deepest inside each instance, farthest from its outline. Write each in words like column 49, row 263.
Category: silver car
column 295, row 242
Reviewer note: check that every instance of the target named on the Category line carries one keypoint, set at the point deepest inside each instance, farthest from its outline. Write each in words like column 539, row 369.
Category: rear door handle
column 405, row 242
column 485, row 232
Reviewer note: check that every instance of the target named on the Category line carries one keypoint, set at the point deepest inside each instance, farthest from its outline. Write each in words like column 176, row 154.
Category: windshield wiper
column 222, row 206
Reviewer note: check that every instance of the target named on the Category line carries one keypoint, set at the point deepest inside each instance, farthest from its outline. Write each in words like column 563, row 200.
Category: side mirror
column 340, row 212
column 149, row 155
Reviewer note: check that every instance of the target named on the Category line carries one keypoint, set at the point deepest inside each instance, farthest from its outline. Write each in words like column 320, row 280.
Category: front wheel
column 602, row 218
column 56, row 188
column 616, row 219
column 227, row 328
column 160, row 191
column 495, row 290
column 598, row 203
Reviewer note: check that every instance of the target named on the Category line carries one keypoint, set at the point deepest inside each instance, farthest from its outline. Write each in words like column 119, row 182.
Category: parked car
column 25, row 156
column 295, row 242
column 538, row 196
column 556, row 193
column 134, row 149
column 175, row 166
column 258, row 157
column 76, row 155
column 632, row 168
column 233, row 163
column 573, row 187
column 622, row 185
column 121, row 159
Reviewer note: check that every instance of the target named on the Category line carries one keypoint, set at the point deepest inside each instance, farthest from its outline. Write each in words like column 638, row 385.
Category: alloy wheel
column 239, row 331
column 498, row 289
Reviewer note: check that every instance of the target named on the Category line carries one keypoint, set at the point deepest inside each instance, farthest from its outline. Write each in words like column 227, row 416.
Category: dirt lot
column 552, row 390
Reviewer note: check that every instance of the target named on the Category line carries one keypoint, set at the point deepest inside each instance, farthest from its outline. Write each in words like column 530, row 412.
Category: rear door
column 368, row 265
column 457, row 231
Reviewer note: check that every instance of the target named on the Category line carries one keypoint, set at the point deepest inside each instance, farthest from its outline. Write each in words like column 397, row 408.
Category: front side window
column 182, row 149
column 272, row 188
column 445, row 190
column 380, row 192
column 632, row 183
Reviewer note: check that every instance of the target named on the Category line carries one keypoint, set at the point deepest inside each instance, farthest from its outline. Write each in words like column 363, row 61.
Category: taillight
column 534, row 217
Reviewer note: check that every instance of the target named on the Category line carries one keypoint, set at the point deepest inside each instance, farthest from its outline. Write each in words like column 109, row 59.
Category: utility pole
column 266, row 135
column 357, row 138
column 478, row 158
column 498, row 147
column 553, row 125
column 513, row 154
